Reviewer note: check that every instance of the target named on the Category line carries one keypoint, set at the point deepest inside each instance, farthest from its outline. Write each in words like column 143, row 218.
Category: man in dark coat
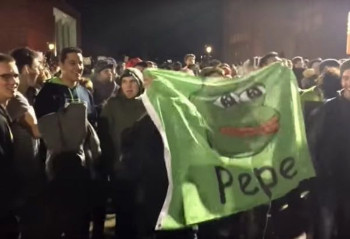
column 8, row 87
column 329, row 140
column 143, row 155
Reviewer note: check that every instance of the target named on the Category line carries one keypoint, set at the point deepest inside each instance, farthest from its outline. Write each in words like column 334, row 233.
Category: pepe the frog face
column 240, row 125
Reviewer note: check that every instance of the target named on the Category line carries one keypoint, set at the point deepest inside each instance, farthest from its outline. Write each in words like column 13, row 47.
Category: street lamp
column 51, row 46
column 208, row 49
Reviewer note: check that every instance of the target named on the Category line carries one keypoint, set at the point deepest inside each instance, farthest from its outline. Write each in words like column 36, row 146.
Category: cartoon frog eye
column 226, row 101
column 252, row 93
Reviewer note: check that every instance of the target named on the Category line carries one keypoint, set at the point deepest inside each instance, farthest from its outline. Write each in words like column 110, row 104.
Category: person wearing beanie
column 132, row 62
column 329, row 141
column 120, row 113
column 103, row 79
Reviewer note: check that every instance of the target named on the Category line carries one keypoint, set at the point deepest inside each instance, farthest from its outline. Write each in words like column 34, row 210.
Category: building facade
column 38, row 23
column 309, row 28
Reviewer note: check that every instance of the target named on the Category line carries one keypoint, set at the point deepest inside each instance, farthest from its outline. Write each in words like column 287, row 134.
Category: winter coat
column 55, row 96
column 329, row 140
column 69, row 131
column 117, row 115
column 7, row 179
column 143, row 156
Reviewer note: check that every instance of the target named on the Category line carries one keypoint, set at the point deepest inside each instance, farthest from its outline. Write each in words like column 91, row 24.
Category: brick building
column 310, row 28
column 37, row 23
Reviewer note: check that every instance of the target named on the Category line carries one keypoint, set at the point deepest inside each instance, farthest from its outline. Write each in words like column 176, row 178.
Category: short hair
column 345, row 66
column 142, row 64
column 208, row 71
column 177, row 66
column 67, row 50
column 330, row 82
column 313, row 61
column 5, row 58
column 24, row 56
column 214, row 63
column 264, row 59
column 188, row 56
column 329, row 63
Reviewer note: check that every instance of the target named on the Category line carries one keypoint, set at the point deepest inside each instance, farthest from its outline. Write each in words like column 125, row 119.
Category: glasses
column 8, row 77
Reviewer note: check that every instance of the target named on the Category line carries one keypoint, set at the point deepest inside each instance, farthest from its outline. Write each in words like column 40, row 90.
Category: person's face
column 8, row 81
column 107, row 75
column 299, row 64
column 190, row 61
column 345, row 81
column 129, row 87
column 72, row 67
column 34, row 72
column 316, row 67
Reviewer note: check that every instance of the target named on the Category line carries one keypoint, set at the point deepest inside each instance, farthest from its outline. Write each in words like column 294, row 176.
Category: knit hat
column 107, row 63
column 132, row 62
column 345, row 66
column 328, row 63
column 136, row 74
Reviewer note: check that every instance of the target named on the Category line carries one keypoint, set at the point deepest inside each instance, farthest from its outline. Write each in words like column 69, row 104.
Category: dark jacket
column 7, row 183
column 329, row 140
column 143, row 155
column 117, row 115
column 55, row 96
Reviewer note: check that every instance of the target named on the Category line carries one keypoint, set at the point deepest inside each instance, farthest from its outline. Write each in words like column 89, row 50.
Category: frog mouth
column 267, row 128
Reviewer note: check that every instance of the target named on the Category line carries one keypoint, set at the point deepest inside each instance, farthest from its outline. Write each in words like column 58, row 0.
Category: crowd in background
column 74, row 137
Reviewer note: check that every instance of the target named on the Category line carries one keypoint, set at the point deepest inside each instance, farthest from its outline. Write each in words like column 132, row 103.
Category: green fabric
column 229, row 145
column 312, row 94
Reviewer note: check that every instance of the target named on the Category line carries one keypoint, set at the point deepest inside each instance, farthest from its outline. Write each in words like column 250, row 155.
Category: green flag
column 229, row 145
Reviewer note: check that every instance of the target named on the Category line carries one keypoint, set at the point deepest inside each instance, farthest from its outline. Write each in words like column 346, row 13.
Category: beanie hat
column 345, row 66
column 107, row 63
column 132, row 62
column 329, row 63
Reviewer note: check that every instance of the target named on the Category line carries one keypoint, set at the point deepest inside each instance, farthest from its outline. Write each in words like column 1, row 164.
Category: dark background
column 151, row 29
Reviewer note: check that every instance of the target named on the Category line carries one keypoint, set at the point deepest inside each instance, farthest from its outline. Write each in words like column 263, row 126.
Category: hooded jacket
column 55, row 96
column 117, row 115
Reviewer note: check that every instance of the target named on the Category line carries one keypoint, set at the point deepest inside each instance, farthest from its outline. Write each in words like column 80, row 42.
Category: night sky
column 151, row 29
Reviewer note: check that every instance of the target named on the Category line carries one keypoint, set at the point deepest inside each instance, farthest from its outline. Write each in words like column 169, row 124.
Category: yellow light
column 208, row 49
column 51, row 46
column 348, row 37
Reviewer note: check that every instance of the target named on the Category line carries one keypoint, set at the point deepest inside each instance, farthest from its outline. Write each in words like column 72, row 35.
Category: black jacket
column 143, row 155
column 329, row 140
column 55, row 96
column 7, row 178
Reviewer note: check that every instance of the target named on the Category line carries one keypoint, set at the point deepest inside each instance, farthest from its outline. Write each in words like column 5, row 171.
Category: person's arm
column 29, row 121
column 22, row 112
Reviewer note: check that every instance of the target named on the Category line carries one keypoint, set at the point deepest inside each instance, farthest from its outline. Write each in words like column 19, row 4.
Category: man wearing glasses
column 8, row 87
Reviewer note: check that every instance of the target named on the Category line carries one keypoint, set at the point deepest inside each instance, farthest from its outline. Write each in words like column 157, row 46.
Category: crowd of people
column 72, row 138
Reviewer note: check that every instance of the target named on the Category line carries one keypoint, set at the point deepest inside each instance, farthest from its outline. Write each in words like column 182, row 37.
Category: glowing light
column 284, row 207
column 51, row 46
column 208, row 49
